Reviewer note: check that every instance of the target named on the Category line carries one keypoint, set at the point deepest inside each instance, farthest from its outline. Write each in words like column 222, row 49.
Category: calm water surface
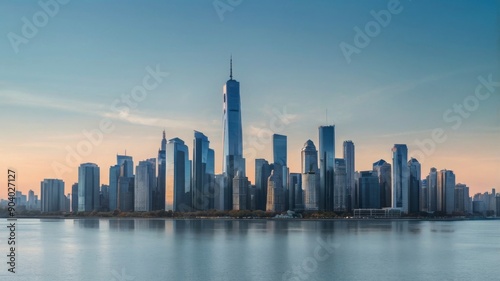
column 151, row 249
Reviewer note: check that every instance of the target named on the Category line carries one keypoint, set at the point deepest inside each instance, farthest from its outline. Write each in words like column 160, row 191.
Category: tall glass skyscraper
column 52, row 195
column 232, row 158
column 178, row 177
column 414, row 186
column 400, row 177
column 432, row 200
column 114, row 174
column 383, row 170
column 350, row 170
column 446, row 191
column 145, row 182
column 203, row 173
column 129, row 170
column 280, row 149
column 159, row 191
column 262, row 173
column 326, row 167
column 88, row 187
column 339, row 194
column 310, row 176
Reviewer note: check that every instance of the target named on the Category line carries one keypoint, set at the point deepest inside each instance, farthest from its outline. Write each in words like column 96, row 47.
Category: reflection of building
column 310, row 176
column 53, row 198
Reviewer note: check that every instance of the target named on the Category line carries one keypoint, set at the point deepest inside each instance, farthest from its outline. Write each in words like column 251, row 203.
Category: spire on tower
column 163, row 134
column 231, row 68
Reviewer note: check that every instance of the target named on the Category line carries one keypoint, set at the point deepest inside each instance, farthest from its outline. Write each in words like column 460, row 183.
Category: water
column 151, row 249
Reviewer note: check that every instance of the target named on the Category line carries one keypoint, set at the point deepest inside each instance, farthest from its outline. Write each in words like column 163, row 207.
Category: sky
column 413, row 77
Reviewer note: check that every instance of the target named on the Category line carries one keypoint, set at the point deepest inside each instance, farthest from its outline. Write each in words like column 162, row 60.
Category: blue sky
column 287, row 59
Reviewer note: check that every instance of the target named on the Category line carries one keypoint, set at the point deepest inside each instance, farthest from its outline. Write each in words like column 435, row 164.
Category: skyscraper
column 327, row 166
column 145, row 183
column 424, row 196
column 446, row 191
column 129, row 170
column 203, row 173
column 88, row 187
column 114, row 174
column 280, row 149
column 52, row 192
column 262, row 173
column 240, row 192
column 74, row 198
column 369, row 190
column 350, row 170
column 414, row 186
column 178, row 177
column 126, row 191
column 159, row 190
column 275, row 193
column 232, row 158
column 295, row 193
column 104, row 198
column 310, row 176
column 383, row 170
column 400, row 176
column 339, row 193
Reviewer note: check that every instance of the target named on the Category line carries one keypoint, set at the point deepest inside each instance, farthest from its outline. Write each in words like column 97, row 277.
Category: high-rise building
column 424, row 196
column 125, row 187
column 145, row 183
column 326, row 167
column 310, row 176
column 53, row 198
column 280, row 149
column 369, row 190
column 203, row 173
column 232, row 156
column 178, row 178
column 159, row 190
column 74, row 198
column 432, row 203
column 220, row 193
column 275, row 193
column 497, row 201
column 114, row 174
column 461, row 197
column 414, row 186
column 262, row 173
column 350, row 170
column 129, row 170
column 104, row 198
column 88, row 187
column 446, row 191
column 400, row 176
column 339, row 193
column 383, row 170
column 240, row 192
column 295, row 194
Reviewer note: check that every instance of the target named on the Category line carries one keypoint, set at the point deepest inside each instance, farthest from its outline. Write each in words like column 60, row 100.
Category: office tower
column 339, row 193
column 310, row 176
column 369, row 190
column 88, row 187
column 203, row 173
column 104, row 198
column 497, row 203
column 178, row 177
column 350, row 170
column 414, row 186
column 159, row 190
column 295, row 195
column 262, row 173
column 240, row 192
column 326, row 166
column 461, row 197
column 52, row 195
column 114, row 174
column 275, row 192
column 220, row 193
column 145, row 183
column 400, row 177
column 232, row 156
column 424, row 196
column 129, row 170
column 67, row 201
column 31, row 200
column 446, row 191
column 432, row 190
column 252, row 197
column 126, row 190
column 384, row 171
column 74, row 198
column 280, row 149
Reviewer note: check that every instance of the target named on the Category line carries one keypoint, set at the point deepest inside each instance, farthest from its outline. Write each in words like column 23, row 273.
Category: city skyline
column 280, row 92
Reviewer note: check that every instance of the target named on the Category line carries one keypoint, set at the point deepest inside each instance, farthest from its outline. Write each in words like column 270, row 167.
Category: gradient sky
column 287, row 59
